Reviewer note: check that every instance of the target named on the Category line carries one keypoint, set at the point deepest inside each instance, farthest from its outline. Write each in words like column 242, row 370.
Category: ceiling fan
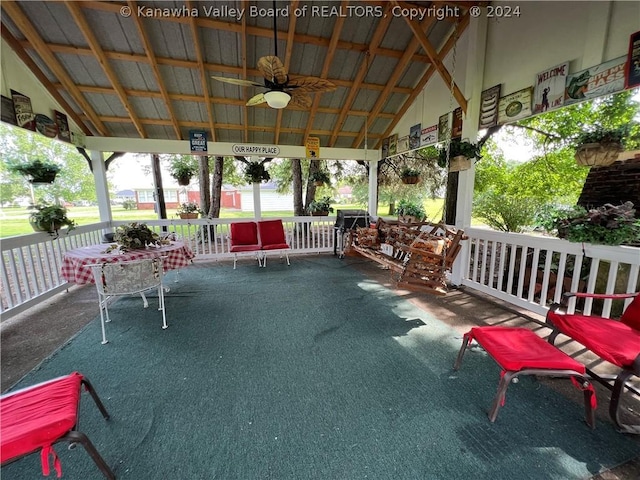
column 282, row 90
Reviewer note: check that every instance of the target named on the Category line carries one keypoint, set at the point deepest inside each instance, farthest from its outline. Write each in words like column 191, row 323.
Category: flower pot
column 188, row 215
column 318, row 183
column 410, row 180
column 597, row 154
column 184, row 181
column 459, row 163
column 39, row 227
column 319, row 214
column 407, row 219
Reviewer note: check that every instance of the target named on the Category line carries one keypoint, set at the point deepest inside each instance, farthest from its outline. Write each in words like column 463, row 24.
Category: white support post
column 102, row 188
column 476, row 48
column 373, row 188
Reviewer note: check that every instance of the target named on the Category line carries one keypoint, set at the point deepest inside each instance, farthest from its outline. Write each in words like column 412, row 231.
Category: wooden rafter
column 450, row 43
column 287, row 61
column 377, row 37
column 51, row 88
column 146, row 43
column 398, row 71
column 87, row 31
column 203, row 74
column 50, row 60
column 436, row 60
column 328, row 59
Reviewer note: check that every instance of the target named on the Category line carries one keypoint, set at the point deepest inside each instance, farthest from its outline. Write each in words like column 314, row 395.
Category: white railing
column 532, row 271
column 499, row 264
column 30, row 264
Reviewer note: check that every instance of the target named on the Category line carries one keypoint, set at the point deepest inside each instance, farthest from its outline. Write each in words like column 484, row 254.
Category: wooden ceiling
column 127, row 69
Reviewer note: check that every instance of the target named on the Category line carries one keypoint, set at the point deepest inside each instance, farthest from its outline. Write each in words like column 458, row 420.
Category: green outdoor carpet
column 307, row 372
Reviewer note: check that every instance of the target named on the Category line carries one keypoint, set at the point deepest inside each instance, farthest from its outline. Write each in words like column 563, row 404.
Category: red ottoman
column 519, row 351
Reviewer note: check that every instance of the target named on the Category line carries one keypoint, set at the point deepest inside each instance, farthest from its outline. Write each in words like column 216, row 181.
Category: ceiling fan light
column 276, row 99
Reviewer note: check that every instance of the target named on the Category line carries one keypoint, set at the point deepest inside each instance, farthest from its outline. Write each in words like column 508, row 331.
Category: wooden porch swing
column 419, row 255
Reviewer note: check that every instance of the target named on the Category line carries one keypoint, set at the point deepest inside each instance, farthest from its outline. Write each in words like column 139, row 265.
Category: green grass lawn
column 15, row 220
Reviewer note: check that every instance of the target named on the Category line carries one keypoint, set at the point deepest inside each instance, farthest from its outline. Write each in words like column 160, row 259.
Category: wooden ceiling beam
column 204, row 78
column 291, row 31
column 398, row 71
column 87, row 31
column 436, row 60
column 449, row 44
column 37, row 43
column 51, row 88
column 148, row 48
column 377, row 37
column 328, row 59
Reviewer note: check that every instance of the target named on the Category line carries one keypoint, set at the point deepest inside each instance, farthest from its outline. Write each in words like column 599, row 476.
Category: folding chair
column 128, row 278
column 37, row 417
column 273, row 238
column 244, row 239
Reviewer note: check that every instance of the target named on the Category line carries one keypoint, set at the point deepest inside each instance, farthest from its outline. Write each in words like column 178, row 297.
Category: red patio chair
column 273, row 239
column 37, row 417
column 244, row 239
column 616, row 341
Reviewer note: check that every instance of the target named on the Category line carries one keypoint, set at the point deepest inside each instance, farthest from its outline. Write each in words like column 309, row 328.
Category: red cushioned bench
column 519, row 351
column 37, row 417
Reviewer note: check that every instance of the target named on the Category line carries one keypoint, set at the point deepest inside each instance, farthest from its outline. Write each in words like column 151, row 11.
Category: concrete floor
column 32, row 336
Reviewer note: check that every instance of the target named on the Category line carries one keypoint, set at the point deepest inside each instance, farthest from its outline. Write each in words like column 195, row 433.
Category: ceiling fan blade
column 238, row 81
column 311, row 84
column 300, row 99
column 272, row 69
column 256, row 100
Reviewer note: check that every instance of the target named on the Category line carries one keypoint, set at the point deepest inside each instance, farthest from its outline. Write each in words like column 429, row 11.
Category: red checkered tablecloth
column 75, row 264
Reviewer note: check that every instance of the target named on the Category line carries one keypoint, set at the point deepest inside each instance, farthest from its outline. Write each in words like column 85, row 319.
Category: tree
column 74, row 182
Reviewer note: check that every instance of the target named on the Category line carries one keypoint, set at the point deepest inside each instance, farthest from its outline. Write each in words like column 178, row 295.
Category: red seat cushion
column 37, row 416
column 631, row 315
column 612, row 340
column 515, row 349
column 272, row 234
column 244, row 233
column 244, row 248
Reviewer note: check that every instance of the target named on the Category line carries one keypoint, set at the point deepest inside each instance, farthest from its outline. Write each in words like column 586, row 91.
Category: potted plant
column 37, row 171
column 254, row 172
column 410, row 212
column 134, row 236
column 409, row 175
column 600, row 147
column 319, row 178
column 50, row 218
column 320, row 208
column 460, row 153
column 182, row 169
column 189, row 210
column 604, row 225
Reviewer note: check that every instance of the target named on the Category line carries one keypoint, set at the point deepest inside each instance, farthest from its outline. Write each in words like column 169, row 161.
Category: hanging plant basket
column 459, row 163
column 410, row 180
column 597, row 154
column 318, row 183
column 184, row 180
column 188, row 215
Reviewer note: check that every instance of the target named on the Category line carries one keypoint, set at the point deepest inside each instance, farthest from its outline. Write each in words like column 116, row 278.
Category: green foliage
column 320, row 176
column 598, row 134
column 407, row 208
column 458, row 147
column 189, row 207
column 135, row 236
column 183, row 167
column 50, row 218
column 254, row 172
column 36, row 170
column 321, row 205
column 409, row 172
column 129, row 205
column 505, row 213
column 605, row 225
